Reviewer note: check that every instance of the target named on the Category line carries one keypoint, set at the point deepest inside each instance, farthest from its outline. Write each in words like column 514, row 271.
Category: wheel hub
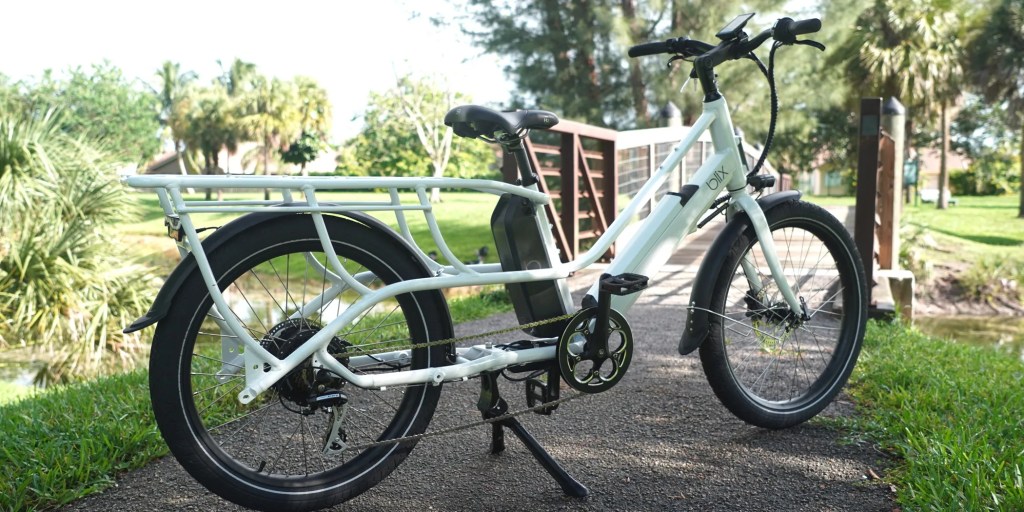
column 305, row 384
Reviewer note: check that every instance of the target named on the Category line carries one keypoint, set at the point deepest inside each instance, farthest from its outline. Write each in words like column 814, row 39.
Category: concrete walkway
column 659, row 440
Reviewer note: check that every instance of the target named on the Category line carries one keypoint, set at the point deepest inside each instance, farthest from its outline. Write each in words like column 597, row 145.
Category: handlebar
column 680, row 45
column 785, row 31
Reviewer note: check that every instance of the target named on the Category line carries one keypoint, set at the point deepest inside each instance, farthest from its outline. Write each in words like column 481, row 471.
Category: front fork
column 764, row 235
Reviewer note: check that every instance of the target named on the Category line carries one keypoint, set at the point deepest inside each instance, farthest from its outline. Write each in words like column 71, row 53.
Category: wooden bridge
column 574, row 160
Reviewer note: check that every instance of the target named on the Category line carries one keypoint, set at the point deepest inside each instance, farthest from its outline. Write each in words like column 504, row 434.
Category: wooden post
column 887, row 201
column 867, row 175
column 894, row 123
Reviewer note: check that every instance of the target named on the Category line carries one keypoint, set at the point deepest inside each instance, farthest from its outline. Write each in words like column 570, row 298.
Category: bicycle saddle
column 473, row 121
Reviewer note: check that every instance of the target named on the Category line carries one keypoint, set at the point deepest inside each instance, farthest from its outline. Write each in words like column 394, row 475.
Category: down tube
column 659, row 236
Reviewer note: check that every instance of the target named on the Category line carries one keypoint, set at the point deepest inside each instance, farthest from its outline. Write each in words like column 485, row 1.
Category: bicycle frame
column 655, row 241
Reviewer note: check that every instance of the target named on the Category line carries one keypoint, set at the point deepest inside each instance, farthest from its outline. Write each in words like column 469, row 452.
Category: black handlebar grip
column 808, row 26
column 648, row 49
column 786, row 29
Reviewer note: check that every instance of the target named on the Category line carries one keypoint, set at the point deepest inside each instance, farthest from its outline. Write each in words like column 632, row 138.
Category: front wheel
column 768, row 366
column 291, row 447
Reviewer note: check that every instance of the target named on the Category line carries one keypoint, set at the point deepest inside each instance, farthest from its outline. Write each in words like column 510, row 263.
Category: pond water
column 1004, row 332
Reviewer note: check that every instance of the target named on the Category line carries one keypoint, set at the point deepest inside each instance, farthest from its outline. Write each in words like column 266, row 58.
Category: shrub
column 64, row 286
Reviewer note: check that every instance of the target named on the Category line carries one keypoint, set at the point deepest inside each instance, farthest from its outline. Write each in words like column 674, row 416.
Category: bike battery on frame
column 520, row 246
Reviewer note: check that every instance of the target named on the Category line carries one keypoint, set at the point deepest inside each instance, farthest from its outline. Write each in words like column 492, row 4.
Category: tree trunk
column 636, row 81
column 266, row 161
column 181, row 164
column 1020, row 210
column 943, row 201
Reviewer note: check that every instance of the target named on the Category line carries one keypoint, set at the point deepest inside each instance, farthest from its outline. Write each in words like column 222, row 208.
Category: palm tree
column 910, row 49
column 314, row 109
column 173, row 91
column 270, row 119
column 237, row 78
column 210, row 122
column 997, row 66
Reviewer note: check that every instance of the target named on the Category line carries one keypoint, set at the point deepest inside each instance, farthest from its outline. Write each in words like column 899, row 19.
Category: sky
column 349, row 47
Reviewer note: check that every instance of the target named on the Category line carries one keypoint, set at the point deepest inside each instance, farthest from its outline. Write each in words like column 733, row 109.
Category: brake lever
column 811, row 43
column 673, row 59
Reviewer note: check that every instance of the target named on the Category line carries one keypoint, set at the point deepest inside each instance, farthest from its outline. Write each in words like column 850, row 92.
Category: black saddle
column 474, row 121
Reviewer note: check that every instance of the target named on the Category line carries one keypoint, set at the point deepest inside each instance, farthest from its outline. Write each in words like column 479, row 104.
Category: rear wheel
column 286, row 449
column 769, row 367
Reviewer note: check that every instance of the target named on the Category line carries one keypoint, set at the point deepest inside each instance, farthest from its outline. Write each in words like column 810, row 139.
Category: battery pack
column 520, row 246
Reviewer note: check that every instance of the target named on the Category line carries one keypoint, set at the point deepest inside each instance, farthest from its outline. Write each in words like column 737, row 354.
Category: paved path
column 658, row 441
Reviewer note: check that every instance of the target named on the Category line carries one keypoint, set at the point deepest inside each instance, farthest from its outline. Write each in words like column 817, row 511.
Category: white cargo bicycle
column 300, row 349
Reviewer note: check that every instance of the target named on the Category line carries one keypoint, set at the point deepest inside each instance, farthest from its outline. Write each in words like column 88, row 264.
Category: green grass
column 65, row 443
column 975, row 228
column 953, row 414
column 68, row 442
column 10, row 392
column 464, row 219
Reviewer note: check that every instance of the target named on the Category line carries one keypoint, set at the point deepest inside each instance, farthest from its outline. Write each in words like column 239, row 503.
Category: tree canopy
column 98, row 103
column 403, row 135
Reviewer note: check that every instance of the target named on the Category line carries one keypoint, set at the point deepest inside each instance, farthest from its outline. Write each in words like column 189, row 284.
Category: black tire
column 765, row 370
column 267, row 454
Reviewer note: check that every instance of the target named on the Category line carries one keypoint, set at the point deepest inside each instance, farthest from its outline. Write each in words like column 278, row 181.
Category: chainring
column 580, row 364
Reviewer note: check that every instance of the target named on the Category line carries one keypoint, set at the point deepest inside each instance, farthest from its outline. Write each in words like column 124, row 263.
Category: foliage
column 997, row 60
column 210, row 122
column 98, row 103
column 64, row 285
column 571, row 58
column 991, row 174
column 303, row 150
column 909, row 49
column 982, row 127
column 950, row 413
column 912, row 50
column 389, row 144
column 172, row 92
column 993, row 279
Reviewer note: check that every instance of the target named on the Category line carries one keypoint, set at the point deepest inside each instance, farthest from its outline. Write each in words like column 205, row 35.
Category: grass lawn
column 977, row 227
column 950, row 412
column 464, row 219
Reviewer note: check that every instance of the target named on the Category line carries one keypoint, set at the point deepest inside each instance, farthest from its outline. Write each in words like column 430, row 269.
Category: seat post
column 518, row 149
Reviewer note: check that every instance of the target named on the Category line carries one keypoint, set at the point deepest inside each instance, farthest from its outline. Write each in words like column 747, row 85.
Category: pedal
column 538, row 392
column 623, row 284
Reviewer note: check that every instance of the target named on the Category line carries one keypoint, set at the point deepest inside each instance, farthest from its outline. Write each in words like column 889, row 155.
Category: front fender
column 697, row 324
column 237, row 227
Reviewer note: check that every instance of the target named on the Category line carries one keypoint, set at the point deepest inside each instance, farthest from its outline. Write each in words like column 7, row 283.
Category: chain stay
column 449, row 341
column 465, row 426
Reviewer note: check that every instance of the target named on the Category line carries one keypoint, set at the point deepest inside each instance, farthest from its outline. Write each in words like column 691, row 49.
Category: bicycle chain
column 466, row 426
column 448, row 341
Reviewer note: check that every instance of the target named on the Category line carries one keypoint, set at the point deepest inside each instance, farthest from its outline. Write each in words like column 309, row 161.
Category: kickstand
column 491, row 405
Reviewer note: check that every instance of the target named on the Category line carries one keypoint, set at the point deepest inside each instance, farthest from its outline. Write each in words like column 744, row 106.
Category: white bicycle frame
column 653, row 243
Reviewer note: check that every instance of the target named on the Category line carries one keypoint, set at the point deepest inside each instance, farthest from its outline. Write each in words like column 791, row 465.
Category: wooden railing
column 572, row 159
